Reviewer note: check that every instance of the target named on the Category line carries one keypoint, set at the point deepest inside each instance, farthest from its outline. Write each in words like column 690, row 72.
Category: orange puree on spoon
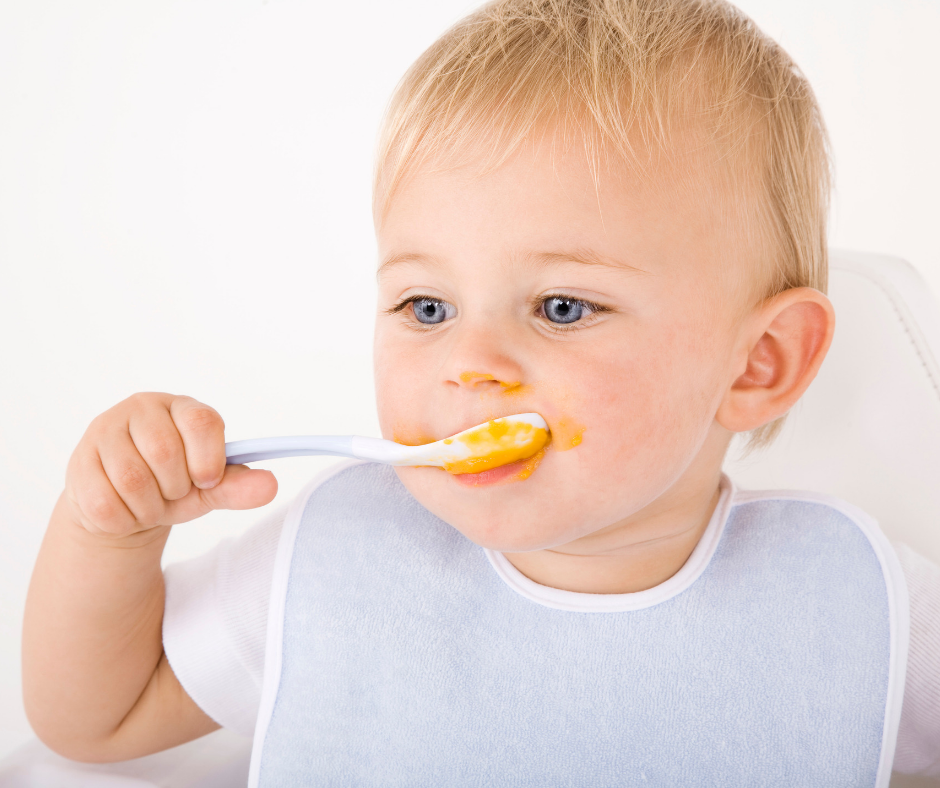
column 498, row 442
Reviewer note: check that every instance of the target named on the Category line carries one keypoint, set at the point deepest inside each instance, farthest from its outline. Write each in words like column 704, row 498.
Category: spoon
column 489, row 445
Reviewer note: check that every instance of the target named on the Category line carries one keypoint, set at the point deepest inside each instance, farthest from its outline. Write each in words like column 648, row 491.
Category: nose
column 485, row 381
column 483, row 359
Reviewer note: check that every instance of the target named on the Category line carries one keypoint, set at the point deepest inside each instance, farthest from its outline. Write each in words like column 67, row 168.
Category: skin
column 673, row 363
column 678, row 355
column 96, row 683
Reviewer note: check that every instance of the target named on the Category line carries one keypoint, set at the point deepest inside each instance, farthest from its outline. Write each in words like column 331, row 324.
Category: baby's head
column 609, row 212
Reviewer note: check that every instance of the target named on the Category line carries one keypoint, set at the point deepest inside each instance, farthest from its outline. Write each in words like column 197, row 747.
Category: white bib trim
column 617, row 603
column 898, row 606
column 273, row 651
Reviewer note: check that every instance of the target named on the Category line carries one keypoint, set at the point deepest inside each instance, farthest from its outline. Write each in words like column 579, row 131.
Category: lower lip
column 492, row 476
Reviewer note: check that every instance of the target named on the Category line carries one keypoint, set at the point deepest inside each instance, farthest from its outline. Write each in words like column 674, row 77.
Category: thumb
column 241, row 488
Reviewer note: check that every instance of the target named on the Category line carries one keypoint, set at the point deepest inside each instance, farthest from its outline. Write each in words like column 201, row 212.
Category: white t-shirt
column 215, row 620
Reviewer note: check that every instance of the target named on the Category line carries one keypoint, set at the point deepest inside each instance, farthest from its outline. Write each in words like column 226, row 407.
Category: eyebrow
column 582, row 256
column 403, row 258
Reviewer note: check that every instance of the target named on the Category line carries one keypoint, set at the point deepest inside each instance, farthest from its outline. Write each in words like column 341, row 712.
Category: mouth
column 512, row 471
column 492, row 476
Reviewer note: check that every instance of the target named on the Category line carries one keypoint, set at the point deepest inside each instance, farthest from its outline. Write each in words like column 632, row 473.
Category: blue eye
column 564, row 310
column 432, row 310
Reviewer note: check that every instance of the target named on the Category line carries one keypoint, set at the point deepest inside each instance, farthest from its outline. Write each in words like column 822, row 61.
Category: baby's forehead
column 684, row 168
column 668, row 158
column 690, row 92
column 556, row 200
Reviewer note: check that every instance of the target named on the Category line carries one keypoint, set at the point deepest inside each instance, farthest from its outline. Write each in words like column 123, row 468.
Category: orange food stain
column 411, row 439
column 497, row 443
column 531, row 464
column 515, row 390
column 566, row 434
column 466, row 377
column 514, row 387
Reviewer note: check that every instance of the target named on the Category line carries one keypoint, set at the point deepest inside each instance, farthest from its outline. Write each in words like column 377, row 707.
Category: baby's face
column 604, row 305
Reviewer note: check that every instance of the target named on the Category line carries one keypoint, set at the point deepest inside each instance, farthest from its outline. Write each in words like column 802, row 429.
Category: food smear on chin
column 499, row 442
column 529, row 465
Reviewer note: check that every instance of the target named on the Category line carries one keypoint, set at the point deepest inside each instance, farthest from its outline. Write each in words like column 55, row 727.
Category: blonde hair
column 615, row 70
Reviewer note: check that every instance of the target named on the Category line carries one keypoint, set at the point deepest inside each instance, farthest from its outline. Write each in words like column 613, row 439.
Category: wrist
column 67, row 519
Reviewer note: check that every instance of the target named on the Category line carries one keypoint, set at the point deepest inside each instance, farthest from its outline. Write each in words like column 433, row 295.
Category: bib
column 399, row 654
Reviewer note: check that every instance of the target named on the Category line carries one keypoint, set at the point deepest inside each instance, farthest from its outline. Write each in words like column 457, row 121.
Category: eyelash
column 561, row 328
column 538, row 306
column 410, row 300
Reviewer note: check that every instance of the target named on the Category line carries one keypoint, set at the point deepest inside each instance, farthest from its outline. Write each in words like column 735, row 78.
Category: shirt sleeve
column 215, row 619
column 918, row 748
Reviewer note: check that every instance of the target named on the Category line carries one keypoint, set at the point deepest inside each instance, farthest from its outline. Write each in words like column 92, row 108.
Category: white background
column 184, row 206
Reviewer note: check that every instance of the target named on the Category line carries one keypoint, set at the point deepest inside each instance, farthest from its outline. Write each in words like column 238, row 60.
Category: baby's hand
column 157, row 460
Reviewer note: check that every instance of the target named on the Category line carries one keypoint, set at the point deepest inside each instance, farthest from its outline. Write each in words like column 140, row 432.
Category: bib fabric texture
column 397, row 656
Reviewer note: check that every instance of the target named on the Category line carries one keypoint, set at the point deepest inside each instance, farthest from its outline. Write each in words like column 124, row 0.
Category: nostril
column 476, row 377
column 484, row 380
column 487, row 381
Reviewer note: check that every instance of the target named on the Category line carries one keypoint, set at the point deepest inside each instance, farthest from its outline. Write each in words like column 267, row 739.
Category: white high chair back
column 868, row 429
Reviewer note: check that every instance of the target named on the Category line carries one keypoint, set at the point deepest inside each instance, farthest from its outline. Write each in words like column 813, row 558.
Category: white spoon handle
column 441, row 453
column 238, row 452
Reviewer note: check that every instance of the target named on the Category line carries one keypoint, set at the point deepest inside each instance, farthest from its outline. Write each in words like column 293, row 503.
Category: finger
column 241, row 488
column 203, row 434
column 94, row 498
column 130, row 476
column 159, row 443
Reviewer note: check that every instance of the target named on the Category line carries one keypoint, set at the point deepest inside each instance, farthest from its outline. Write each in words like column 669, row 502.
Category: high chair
column 868, row 431
column 868, row 428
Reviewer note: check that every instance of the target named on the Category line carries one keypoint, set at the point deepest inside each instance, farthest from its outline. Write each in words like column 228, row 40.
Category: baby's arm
column 96, row 683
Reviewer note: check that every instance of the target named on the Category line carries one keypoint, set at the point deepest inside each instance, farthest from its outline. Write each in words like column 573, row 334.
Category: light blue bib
column 398, row 656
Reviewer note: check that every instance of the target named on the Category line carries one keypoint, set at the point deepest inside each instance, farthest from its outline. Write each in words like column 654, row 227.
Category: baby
column 608, row 212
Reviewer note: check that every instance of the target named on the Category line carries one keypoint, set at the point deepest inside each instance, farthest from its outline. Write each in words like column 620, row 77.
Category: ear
column 783, row 344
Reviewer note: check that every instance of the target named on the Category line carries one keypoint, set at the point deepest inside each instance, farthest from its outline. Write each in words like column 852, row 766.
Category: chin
column 501, row 537
column 506, row 514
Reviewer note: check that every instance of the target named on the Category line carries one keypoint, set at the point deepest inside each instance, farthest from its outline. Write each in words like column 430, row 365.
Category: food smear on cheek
column 566, row 434
column 497, row 443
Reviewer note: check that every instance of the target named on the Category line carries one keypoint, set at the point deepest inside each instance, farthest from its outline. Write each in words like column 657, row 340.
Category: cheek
column 390, row 383
column 400, row 388
column 643, row 398
column 651, row 402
